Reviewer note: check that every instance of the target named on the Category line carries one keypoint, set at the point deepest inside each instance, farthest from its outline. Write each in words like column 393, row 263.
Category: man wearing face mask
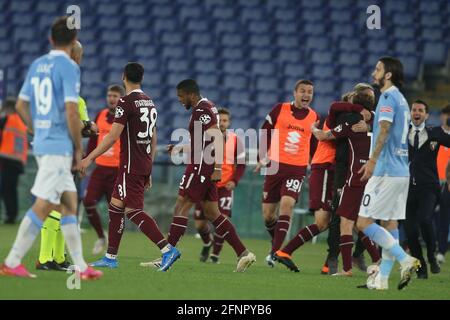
column 424, row 185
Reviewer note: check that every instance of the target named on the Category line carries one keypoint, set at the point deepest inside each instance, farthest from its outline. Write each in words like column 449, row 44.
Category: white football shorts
column 385, row 198
column 53, row 178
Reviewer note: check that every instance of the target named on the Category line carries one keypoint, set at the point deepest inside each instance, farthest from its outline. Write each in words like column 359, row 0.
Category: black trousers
column 419, row 220
column 10, row 171
column 442, row 219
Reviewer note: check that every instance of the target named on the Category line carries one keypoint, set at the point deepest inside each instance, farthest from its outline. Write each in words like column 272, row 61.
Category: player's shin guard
column 303, row 236
column 94, row 219
column 48, row 236
column 148, row 227
column 346, row 246
column 115, row 230
column 225, row 229
column 281, row 230
column 177, row 229
column 370, row 247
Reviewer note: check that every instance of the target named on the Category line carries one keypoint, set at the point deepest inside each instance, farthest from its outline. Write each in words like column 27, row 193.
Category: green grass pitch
column 190, row 279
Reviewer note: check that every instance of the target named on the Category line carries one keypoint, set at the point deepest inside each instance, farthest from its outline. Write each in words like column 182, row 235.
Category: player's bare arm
column 154, row 144
column 23, row 109
column 361, row 127
column 104, row 145
column 366, row 114
column 74, row 125
column 369, row 167
column 262, row 163
column 217, row 135
column 321, row 135
column 173, row 149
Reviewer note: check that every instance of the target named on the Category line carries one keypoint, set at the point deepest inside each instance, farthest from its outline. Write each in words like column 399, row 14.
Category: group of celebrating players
column 374, row 187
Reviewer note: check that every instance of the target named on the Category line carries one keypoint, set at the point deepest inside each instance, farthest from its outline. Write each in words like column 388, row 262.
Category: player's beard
column 188, row 105
column 382, row 82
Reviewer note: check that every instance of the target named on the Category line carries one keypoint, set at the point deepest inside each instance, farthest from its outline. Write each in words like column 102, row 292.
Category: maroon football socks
column 306, row 234
column 225, row 229
column 281, row 230
column 116, row 227
column 148, row 226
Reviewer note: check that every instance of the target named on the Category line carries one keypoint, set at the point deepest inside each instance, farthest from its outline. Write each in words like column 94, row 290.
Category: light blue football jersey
column 393, row 160
column 52, row 80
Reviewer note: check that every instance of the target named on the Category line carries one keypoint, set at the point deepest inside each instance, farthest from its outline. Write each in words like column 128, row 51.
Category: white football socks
column 69, row 228
column 28, row 230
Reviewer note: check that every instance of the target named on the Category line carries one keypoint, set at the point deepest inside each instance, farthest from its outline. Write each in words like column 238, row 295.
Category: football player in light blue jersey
column 387, row 170
column 51, row 91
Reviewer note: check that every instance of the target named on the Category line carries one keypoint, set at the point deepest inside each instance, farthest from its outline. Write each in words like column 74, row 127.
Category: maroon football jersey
column 137, row 112
column 358, row 151
column 204, row 116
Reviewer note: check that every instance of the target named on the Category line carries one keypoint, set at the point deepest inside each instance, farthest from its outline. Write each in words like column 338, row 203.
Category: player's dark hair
column 418, row 101
column 61, row 34
column 446, row 109
column 303, row 81
column 189, row 86
column 9, row 105
column 395, row 67
column 134, row 72
column 224, row 111
column 117, row 88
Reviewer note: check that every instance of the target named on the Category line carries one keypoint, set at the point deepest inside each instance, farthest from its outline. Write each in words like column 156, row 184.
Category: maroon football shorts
column 350, row 202
column 197, row 187
column 284, row 183
column 321, row 188
column 130, row 188
column 225, row 204
column 101, row 183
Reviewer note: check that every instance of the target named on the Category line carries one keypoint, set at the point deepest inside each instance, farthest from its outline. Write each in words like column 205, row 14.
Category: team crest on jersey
column 338, row 128
column 433, row 145
column 119, row 112
column 265, row 195
column 205, row 119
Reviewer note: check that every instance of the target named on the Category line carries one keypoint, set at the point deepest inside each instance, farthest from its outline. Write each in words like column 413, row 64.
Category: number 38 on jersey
column 148, row 116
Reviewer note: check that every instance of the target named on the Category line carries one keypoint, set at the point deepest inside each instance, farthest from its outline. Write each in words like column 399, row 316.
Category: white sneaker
column 270, row 260
column 374, row 281
column 155, row 263
column 245, row 261
column 408, row 268
column 440, row 258
column 99, row 246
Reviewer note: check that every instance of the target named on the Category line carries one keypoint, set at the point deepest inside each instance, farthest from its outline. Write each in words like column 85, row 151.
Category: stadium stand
column 242, row 52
